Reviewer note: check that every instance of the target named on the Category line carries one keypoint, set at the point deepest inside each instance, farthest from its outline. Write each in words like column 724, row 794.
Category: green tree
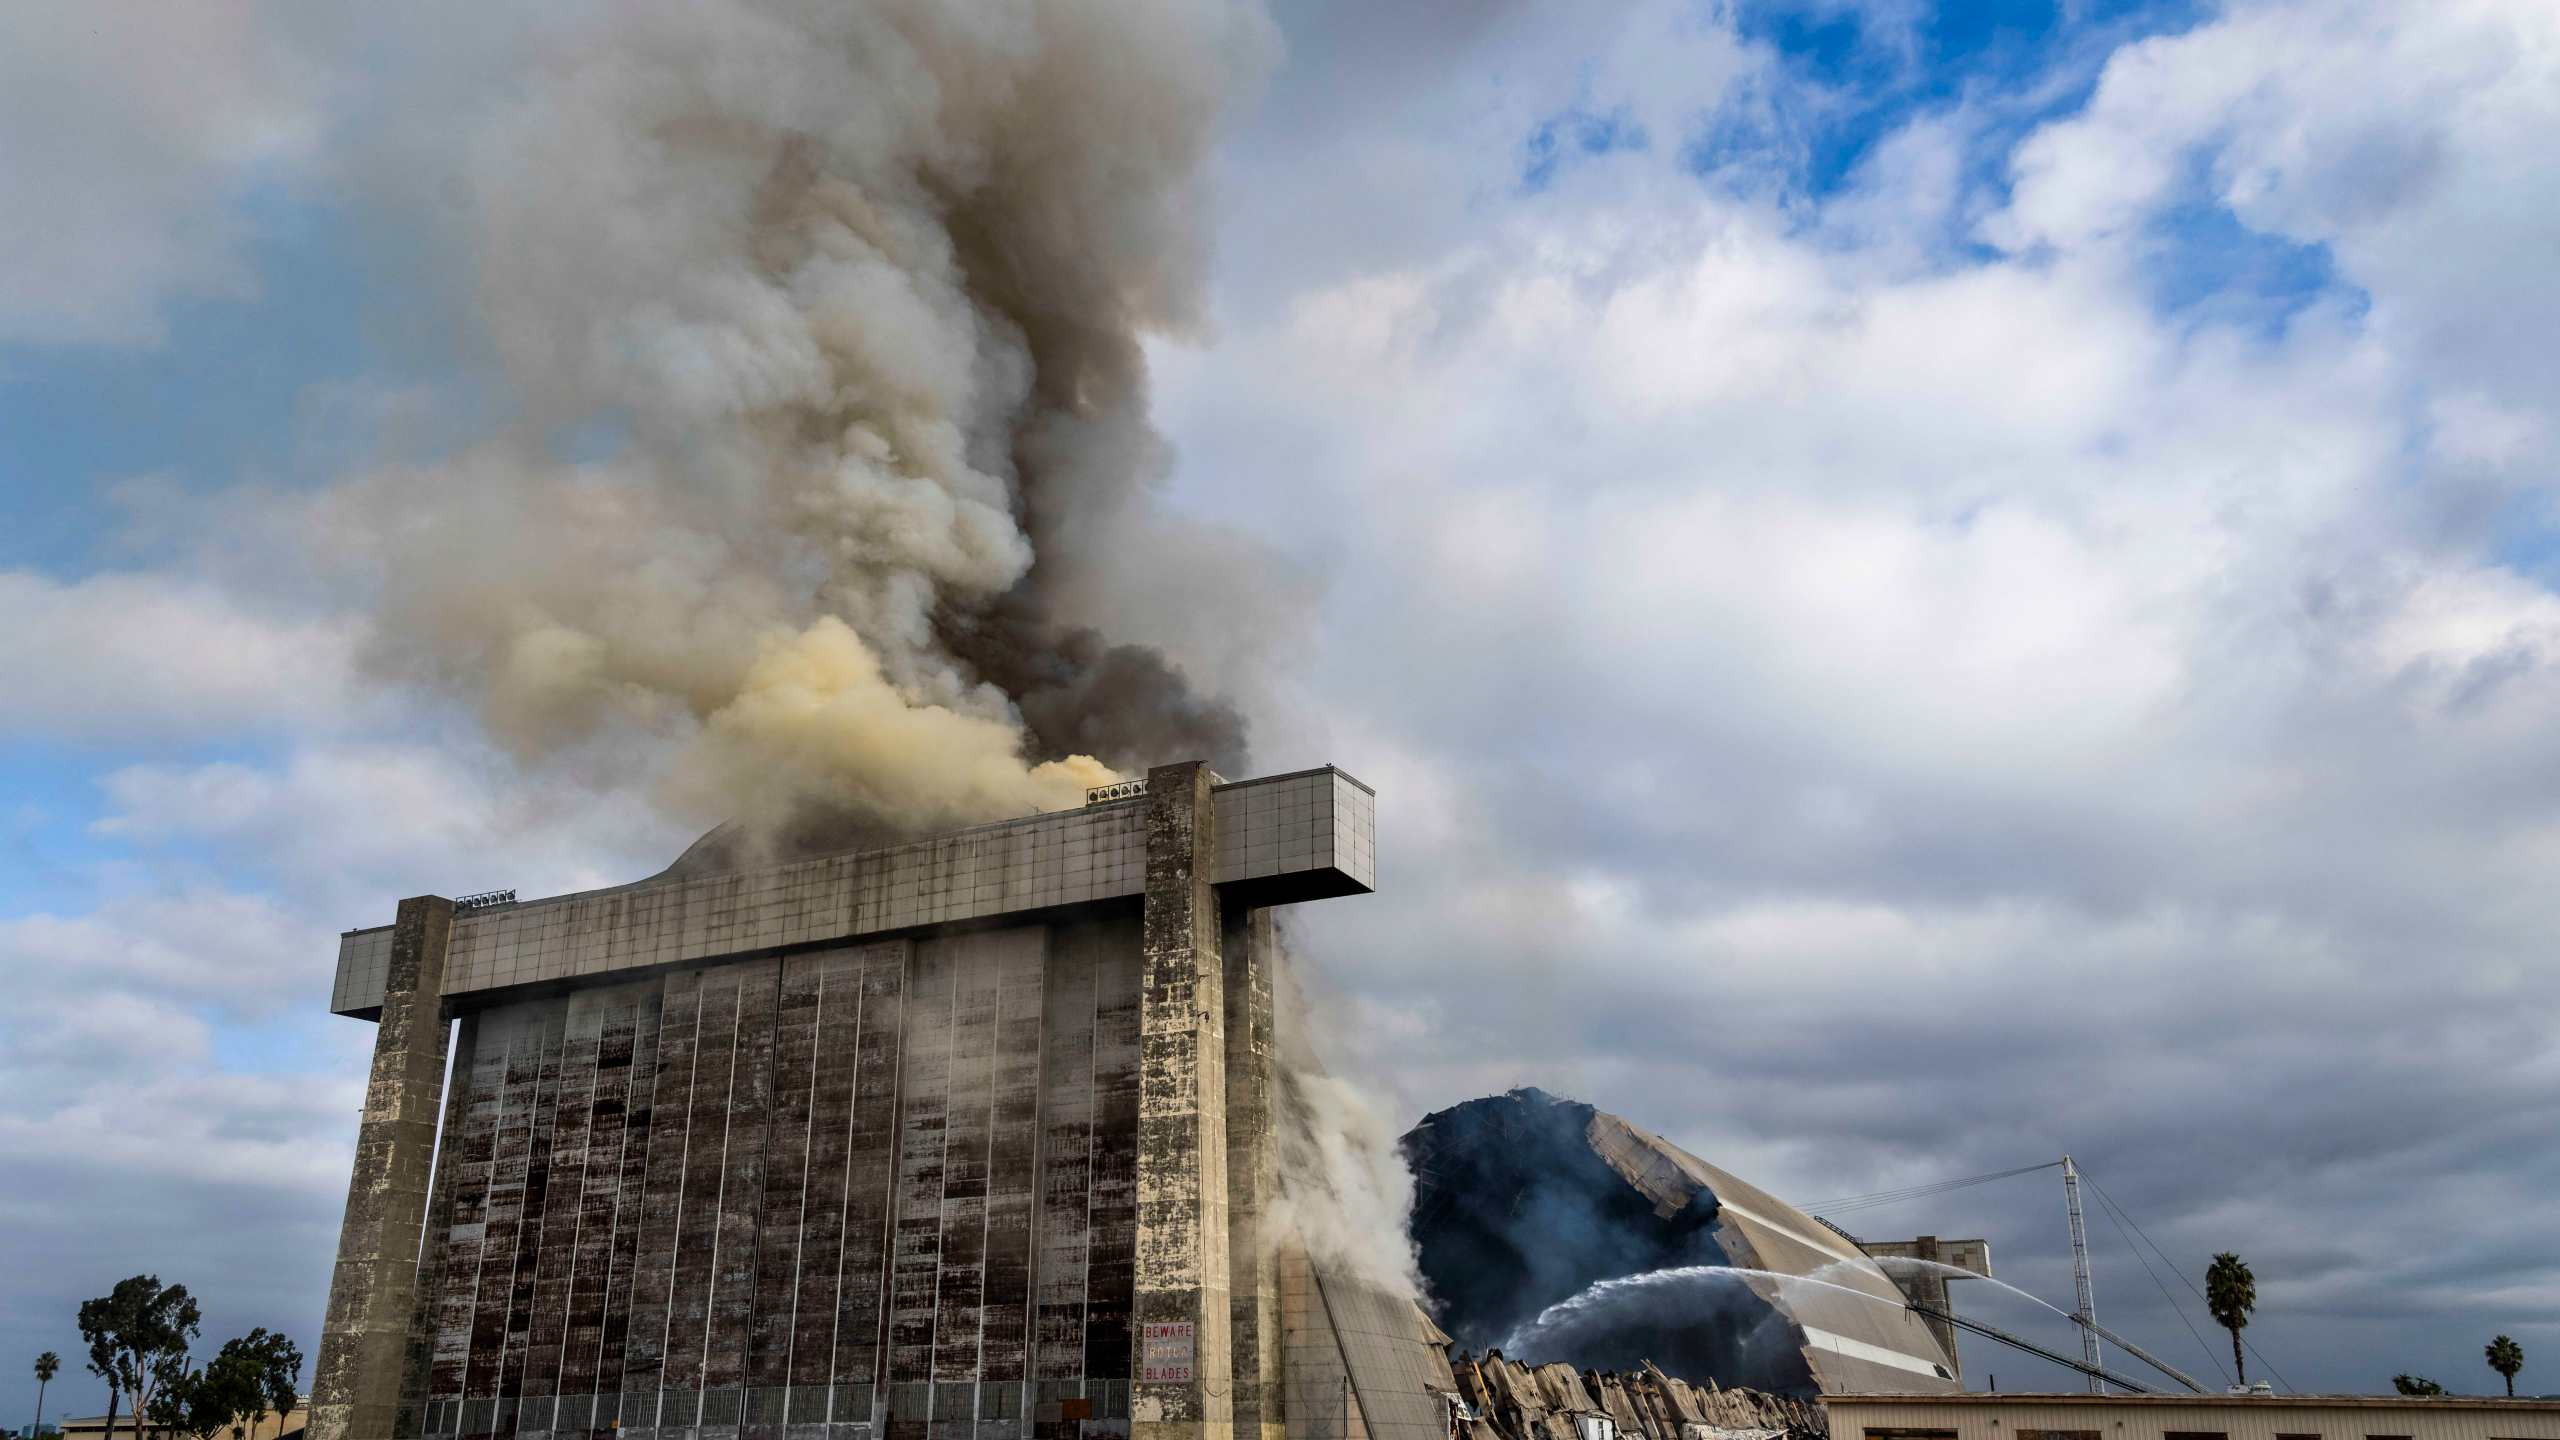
column 2415, row 1385
column 205, row 1402
column 276, row 1362
column 2231, row 1292
column 132, row 1331
column 48, row 1365
column 2506, row 1357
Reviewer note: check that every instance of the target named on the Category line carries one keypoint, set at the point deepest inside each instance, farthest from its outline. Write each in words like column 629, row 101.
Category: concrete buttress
column 364, row 1340
column 1184, row 1385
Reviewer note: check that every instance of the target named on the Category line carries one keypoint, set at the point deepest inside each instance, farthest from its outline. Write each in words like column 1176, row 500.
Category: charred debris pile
column 1516, row 1401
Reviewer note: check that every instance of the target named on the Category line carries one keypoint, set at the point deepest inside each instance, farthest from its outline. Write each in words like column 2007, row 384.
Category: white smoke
column 856, row 291
column 1345, row 1191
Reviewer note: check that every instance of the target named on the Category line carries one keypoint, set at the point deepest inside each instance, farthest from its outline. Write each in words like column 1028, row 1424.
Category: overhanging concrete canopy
column 1282, row 839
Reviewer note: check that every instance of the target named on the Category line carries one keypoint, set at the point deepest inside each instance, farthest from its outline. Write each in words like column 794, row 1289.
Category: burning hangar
column 967, row 1137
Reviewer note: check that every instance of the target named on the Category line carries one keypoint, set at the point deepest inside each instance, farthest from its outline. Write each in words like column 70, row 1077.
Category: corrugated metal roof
column 1395, row 1357
column 1849, row 1342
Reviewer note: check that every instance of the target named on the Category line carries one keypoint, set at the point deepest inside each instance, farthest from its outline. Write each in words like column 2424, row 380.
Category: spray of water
column 1609, row 1294
column 1900, row 1265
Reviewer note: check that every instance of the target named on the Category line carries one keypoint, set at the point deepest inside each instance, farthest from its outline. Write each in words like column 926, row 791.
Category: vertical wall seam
column 684, row 1158
column 1033, row 1229
column 719, row 1205
column 1092, row 1172
column 577, row 1220
column 844, row 1202
column 480, row 1262
column 613, row 1227
column 897, row 1121
column 808, row 1139
column 515, row 1267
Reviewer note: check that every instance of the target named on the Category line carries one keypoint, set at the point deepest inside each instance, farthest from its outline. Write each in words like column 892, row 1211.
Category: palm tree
column 49, row 1365
column 2231, row 1292
column 2506, row 1357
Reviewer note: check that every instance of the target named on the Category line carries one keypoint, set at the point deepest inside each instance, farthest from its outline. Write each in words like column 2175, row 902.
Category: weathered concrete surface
column 1249, row 951
column 1283, row 839
column 1184, row 1384
column 365, row 1337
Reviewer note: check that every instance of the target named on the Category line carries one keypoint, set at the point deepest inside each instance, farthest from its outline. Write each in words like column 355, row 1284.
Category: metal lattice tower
column 2080, row 1274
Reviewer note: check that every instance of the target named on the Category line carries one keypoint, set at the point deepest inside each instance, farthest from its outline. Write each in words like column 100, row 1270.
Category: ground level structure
column 2022, row 1416
column 969, row 1137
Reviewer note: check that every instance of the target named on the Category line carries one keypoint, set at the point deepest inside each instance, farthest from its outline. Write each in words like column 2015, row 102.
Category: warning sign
column 1164, row 1356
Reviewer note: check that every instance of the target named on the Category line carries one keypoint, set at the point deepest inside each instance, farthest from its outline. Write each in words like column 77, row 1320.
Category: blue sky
column 1911, row 517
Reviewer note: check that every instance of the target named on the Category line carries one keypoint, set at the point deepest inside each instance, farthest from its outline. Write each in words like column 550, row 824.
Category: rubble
column 1516, row 1401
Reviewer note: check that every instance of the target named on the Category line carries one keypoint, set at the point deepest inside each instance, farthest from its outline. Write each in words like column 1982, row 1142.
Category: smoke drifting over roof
column 856, row 294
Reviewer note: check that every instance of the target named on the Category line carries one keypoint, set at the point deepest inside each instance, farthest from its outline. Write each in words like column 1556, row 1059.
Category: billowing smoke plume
column 1346, row 1193
column 825, row 317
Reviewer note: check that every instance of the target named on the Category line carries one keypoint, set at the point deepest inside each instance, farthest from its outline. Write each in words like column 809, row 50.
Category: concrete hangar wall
column 963, row 1139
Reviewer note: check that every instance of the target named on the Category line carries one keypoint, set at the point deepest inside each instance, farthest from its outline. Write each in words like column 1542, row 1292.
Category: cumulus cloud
column 145, row 655
column 139, row 134
column 1897, row 710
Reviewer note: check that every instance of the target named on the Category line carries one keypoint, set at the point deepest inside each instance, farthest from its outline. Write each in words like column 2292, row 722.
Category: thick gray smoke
column 855, row 293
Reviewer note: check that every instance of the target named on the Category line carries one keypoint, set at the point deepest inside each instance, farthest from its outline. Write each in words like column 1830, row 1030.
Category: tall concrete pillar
column 364, row 1339
column 1184, row 1384
column 1251, row 953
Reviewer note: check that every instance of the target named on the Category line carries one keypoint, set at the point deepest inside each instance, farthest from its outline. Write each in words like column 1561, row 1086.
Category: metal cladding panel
column 471, row 1152
column 541, row 1135
column 835, row 1020
column 582, row 1320
column 661, row 1202
column 968, row 1137
column 1063, row 1240
column 924, row 1086
column 782, row 1229
column 364, row 968
column 696, row 1250
column 745, row 1161
column 1112, row 1275
column 629, row 1205
column 1013, row 1156
column 1284, row 838
column 784, row 1198
column 871, row 1171
column 513, row 1192
column 1386, row 1343
column 555, row 1238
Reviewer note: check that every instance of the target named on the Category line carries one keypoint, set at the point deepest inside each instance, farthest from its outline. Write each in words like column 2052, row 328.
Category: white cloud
column 356, row 825
column 2409, row 139
column 137, row 135
column 1882, row 713
column 142, row 655
column 223, row 950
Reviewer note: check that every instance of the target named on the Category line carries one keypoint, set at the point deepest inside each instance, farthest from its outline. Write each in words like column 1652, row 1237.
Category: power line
column 2182, row 1279
column 2117, row 1218
column 1878, row 1198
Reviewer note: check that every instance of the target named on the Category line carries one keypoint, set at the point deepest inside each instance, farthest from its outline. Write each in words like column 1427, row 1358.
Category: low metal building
column 2024, row 1416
